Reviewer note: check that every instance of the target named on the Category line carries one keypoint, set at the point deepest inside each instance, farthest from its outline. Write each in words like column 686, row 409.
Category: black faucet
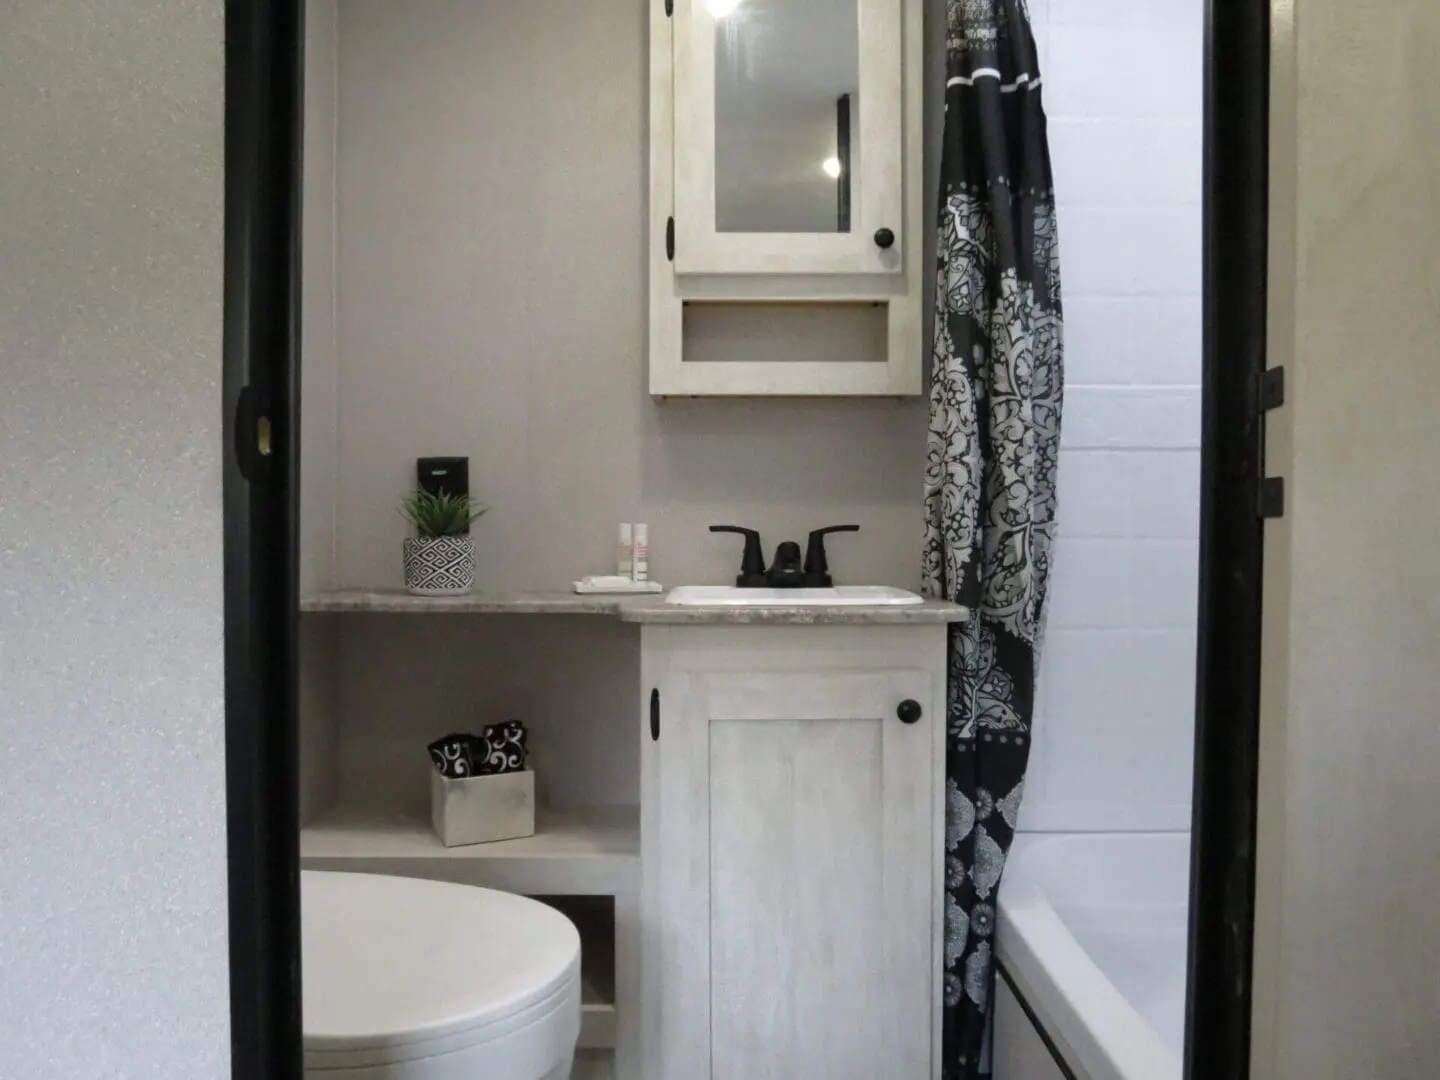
column 817, row 569
column 752, row 563
column 787, row 571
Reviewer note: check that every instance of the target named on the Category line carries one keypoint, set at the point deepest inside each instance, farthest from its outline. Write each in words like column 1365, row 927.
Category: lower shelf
column 592, row 852
column 593, row 1065
column 597, row 1019
column 594, row 920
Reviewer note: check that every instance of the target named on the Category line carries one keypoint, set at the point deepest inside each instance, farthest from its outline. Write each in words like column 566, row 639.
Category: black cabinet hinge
column 1272, row 497
column 670, row 239
column 669, row 7
column 1270, row 392
column 655, row 715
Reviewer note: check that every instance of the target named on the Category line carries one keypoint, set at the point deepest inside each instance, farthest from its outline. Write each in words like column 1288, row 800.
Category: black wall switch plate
column 437, row 474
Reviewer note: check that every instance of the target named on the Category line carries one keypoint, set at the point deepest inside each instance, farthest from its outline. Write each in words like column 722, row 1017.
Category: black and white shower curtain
column 995, row 403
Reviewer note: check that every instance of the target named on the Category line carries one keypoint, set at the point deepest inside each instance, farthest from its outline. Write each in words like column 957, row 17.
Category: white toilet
column 423, row 980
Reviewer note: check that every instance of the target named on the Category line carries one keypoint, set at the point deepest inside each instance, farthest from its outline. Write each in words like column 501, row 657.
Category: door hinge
column 655, row 715
column 1270, row 392
column 670, row 239
column 1272, row 497
column 669, row 7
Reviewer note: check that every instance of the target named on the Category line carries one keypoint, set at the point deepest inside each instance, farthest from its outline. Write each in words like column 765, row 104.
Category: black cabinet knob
column 884, row 238
column 909, row 711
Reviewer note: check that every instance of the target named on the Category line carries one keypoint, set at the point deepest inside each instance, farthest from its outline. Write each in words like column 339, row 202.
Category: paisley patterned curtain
column 995, row 403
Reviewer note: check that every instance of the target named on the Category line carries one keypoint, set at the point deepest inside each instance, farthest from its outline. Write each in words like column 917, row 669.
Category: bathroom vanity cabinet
column 791, row 819
column 745, row 823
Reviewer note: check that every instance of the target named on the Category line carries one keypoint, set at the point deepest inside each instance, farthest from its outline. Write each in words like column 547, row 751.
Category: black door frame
column 1227, row 722
column 263, row 73
column 264, row 80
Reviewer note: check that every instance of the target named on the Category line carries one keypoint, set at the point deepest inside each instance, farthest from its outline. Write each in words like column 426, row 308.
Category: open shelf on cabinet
column 597, row 1017
column 589, row 852
column 594, row 919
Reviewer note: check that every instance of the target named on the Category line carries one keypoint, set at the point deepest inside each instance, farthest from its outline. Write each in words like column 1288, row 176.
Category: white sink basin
column 840, row 596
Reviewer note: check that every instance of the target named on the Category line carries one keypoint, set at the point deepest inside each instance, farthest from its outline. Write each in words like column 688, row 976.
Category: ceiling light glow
column 831, row 167
column 721, row 8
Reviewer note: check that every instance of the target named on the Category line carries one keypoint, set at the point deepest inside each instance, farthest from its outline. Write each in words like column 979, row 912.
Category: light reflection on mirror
column 787, row 92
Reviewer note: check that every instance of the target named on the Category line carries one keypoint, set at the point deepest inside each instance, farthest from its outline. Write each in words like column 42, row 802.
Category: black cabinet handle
column 884, row 238
column 909, row 711
column 655, row 715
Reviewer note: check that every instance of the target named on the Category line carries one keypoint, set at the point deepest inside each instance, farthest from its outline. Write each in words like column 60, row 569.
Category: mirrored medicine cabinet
column 786, row 182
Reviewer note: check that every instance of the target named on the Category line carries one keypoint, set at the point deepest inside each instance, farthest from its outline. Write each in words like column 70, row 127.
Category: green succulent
column 439, row 515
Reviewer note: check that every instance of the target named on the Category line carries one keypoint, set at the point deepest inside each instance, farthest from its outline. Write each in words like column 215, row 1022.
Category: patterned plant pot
column 439, row 565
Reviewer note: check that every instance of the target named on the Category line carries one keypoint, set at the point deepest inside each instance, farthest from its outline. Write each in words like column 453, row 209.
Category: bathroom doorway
column 265, row 55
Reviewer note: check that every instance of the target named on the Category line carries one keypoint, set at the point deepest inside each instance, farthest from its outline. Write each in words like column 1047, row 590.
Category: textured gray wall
column 112, row 840
column 1347, row 936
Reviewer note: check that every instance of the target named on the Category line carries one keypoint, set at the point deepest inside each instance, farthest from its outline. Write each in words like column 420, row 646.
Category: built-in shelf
column 596, row 925
column 398, row 601
column 592, row 852
column 597, row 1018
column 594, row 920
column 593, row 1065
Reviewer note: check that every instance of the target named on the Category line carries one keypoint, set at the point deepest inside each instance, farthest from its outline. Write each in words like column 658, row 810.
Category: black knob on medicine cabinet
column 909, row 711
column 884, row 238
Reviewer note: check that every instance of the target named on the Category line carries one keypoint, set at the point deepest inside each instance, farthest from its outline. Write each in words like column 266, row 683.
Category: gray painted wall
column 317, row 344
column 319, row 729
column 491, row 302
column 486, row 187
column 113, row 955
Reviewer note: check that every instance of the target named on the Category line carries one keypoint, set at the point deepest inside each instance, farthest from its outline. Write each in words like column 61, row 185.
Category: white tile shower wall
column 1115, row 713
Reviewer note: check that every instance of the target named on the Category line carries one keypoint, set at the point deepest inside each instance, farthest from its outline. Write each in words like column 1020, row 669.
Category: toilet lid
column 394, row 964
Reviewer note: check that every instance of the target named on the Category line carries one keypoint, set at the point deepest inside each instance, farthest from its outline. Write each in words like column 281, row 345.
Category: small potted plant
column 440, row 557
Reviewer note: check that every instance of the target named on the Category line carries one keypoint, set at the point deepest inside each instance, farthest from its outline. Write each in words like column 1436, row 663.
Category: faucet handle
column 817, row 567
column 752, row 563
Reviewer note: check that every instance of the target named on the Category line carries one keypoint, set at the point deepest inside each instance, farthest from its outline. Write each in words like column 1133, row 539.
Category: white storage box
column 479, row 809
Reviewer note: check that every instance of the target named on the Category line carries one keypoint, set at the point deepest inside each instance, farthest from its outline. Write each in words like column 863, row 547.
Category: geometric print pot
column 439, row 565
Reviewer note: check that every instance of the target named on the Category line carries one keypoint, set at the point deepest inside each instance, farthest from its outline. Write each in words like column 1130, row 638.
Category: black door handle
column 909, row 711
column 884, row 238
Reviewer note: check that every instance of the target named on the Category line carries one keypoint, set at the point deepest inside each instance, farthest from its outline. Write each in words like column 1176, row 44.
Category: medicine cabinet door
column 788, row 134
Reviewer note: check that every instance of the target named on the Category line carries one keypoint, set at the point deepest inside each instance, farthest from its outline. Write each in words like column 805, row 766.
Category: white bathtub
column 1092, row 934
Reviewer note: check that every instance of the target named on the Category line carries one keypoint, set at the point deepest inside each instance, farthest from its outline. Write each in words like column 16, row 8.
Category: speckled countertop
column 400, row 602
column 654, row 609
column 631, row 609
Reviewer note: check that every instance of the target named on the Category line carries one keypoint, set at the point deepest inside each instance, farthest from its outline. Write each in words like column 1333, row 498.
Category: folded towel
column 454, row 756
column 503, row 748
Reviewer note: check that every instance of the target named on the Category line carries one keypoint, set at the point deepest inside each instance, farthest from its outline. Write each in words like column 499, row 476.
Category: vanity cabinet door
column 788, row 136
column 797, row 855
